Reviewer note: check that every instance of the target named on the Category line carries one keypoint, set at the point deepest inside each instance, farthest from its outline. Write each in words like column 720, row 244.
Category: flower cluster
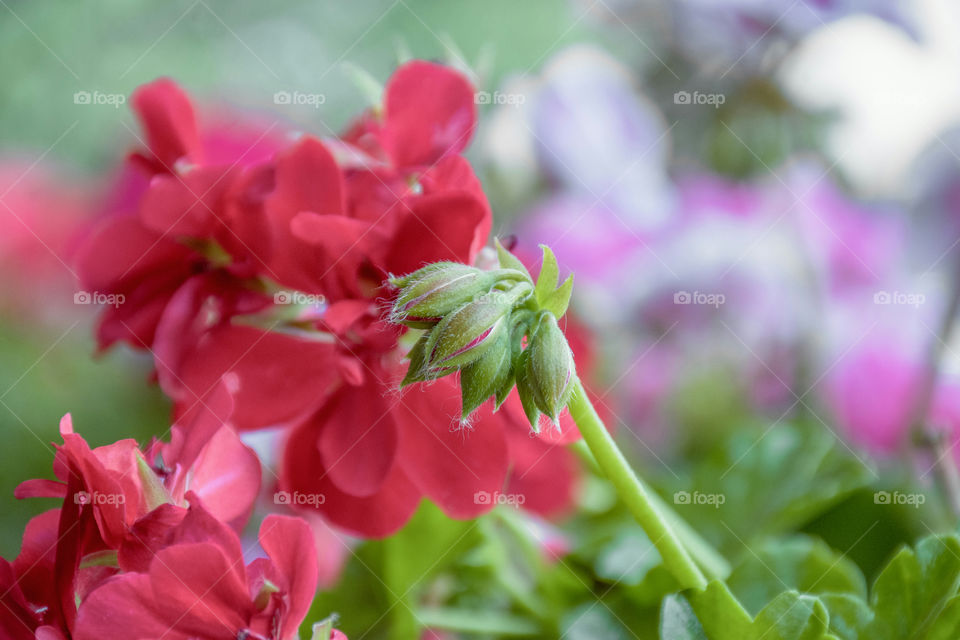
column 261, row 257
column 478, row 322
column 145, row 544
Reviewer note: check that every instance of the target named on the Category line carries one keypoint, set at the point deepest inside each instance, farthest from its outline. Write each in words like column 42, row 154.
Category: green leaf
column 800, row 562
column 558, row 301
column 771, row 482
column 947, row 624
column 913, row 590
column 678, row 621
column 509, row 261
column 849, row 615
column 593, row 621
column 720, row 614
column 792, row 616
column 549, row 276
column 489, row 623
column 627, row 559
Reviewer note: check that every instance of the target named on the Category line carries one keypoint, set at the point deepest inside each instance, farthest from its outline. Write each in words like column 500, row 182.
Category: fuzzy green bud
column 427, row 295
column 548, row 373
column 467, row 333
column 487, row 375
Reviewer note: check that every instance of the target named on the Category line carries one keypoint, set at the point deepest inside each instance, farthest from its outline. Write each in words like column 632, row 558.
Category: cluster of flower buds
column 498, row 328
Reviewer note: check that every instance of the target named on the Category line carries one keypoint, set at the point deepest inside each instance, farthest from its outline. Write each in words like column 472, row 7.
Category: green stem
column 403, row 622
column 713, row 564
column 632, row 492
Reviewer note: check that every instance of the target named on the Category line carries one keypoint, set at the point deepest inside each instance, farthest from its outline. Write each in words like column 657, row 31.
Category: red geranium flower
column 333, row 219
column 196, row 586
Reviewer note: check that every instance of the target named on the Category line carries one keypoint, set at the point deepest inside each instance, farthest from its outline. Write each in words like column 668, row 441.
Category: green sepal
column 525, row 391
column 558, row 301
column 510, row 261
column 417, row 358
column 516, row 348
column 548, row 278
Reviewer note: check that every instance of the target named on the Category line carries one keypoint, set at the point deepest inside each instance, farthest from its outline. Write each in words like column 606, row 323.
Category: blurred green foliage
column 242, row 52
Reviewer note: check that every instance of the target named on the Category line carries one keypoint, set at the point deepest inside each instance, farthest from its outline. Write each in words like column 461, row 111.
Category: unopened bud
column 487, row 375
column 548, row 373
column 466, row 334
column 429, row 294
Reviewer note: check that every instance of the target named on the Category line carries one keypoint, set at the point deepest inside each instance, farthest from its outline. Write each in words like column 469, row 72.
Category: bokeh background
column 760, row 200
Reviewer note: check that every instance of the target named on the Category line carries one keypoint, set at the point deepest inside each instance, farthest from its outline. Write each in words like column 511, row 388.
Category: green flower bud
column 525, row 390
column 487, row 375
column 548, row 369
column 467, row 333
column 429, row 294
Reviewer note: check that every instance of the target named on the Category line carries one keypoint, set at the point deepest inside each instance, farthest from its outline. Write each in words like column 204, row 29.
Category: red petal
column 429, row 111
column 168, row 121
column 448, row 462
column 35, row 564
column 437, row 228
column 279, row 377
column 121, row 251
column 40, row 488
column 289, row 543
column 189, row 206
column 191, row 591
column 545, row 474
column 374, row 516
column 357, row 438
column 454, row 174
column 226, row 476
column 121, row 608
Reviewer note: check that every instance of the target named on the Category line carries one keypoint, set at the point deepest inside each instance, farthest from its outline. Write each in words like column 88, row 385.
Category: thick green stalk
column 713, row 564
column 632, row 492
